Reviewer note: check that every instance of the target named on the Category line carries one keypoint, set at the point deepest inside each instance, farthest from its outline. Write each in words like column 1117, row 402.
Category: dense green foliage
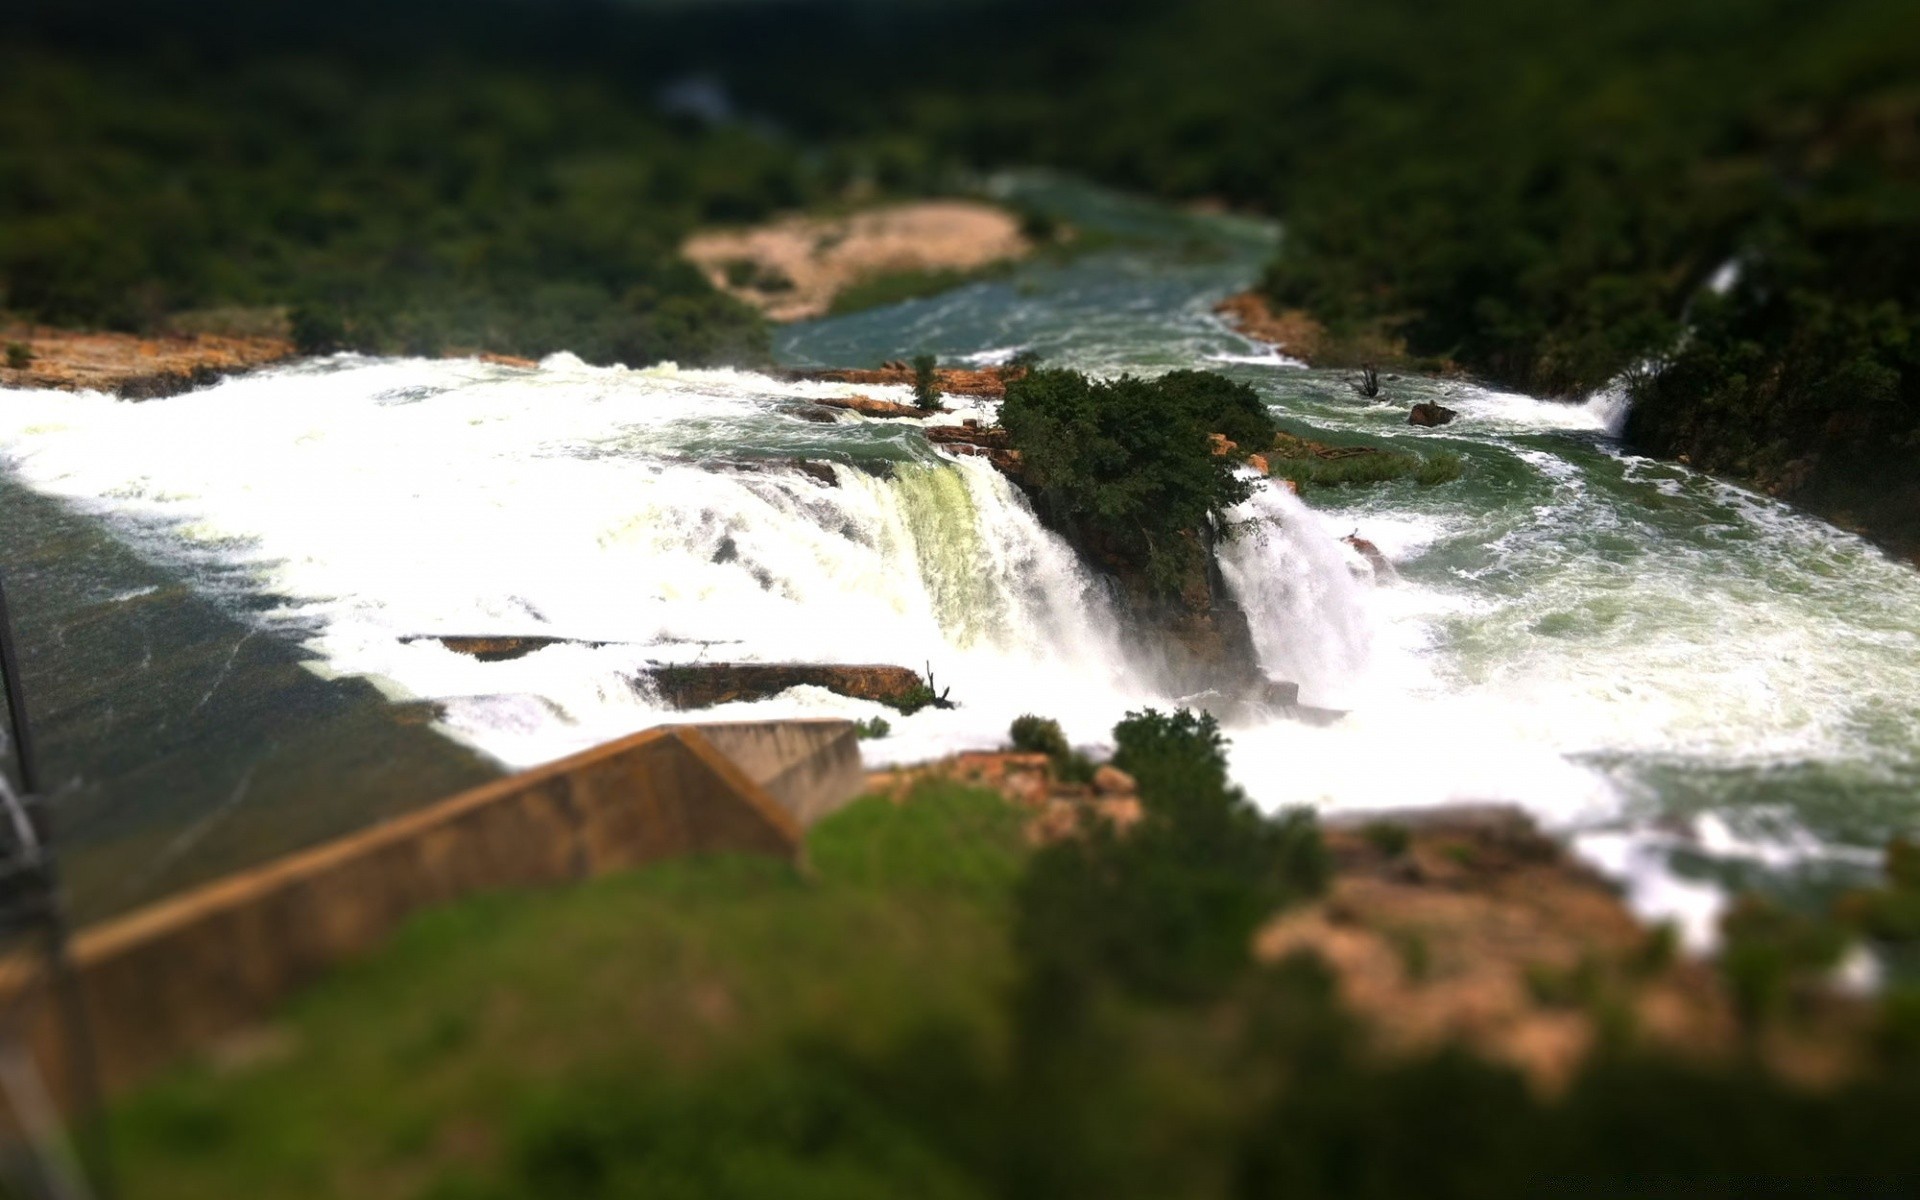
column 1169, row 909
column 926, row 383
column 931, row 1008
column 1538, row 193
column 412, row 210
column 1129, row 462
column 1030, row 734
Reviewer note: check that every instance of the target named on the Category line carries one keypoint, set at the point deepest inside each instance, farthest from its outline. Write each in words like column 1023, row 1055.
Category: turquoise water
column 1699, row 687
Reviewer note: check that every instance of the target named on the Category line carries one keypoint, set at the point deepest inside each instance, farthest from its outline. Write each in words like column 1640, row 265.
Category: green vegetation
column 1890, row 915
column 1539, row 197
column 390, row 208
column 1128, row 463
column 1389, row 838
column 458, row 1051
column 872, row 729
column 926, row 383
column 1038, row 735
column 1042, row 735
column 933, row 1008
column 19, row 356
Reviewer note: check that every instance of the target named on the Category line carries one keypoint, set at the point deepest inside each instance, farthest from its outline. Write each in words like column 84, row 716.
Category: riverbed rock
column 499, row 647
column 867, row 406
column 1430, row 415
column 953, row 381
column 703, row 685
column 993, row 444
column 1367, row 550
column 819, row 472
column 133, row 367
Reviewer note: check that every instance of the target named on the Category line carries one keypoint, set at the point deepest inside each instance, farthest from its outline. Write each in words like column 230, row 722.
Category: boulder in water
column 867, row 406
column 500, row 648
column 703, row 685
column 1371, row 553
column 819, row 472
column 1430, row 414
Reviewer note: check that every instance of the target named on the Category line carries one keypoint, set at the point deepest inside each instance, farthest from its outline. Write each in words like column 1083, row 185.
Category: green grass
column 444, row 1053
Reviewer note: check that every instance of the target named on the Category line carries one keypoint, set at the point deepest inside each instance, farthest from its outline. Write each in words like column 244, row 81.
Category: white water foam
column 390, row 502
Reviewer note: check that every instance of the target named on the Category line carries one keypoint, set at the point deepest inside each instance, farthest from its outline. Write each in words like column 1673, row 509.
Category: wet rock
column 867, row 406
column 1371, row 553
column 819, row 472
column 703, row 685
column 1279, row 693
column 953, row 381
column 133, row 367
column 992, row 444
column 1430, row 414
column 492, row 648
column 812, row 412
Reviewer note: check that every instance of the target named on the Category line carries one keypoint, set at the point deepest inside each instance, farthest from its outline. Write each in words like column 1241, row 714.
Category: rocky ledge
column 703, row 685
column 130, row 366
column 989, row 383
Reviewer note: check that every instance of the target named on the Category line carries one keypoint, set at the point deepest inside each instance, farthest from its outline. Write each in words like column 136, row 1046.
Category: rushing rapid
column 1698, row 685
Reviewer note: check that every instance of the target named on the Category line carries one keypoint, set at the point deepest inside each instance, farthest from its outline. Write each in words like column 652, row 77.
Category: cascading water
column 1700, row 687
column 1310, row 616
column 404, row 501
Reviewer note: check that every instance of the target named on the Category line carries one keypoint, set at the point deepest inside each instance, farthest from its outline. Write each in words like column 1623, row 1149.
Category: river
column 223, row 594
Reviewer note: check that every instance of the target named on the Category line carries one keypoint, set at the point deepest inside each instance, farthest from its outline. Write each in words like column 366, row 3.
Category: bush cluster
column 1130, row 461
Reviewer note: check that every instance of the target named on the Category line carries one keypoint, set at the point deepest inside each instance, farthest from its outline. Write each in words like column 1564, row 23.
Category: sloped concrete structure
column 163, row 980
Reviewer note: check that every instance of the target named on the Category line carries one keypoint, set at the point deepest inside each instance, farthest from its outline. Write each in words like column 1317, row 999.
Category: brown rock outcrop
column 1430, row 415
column 133, row 367
column 988, row 383
column 498, row 648
column 867, row 406
column 703, row 685
column 992, row 444
column 1467, row 925
column 1290, row 330
column 1371, row 553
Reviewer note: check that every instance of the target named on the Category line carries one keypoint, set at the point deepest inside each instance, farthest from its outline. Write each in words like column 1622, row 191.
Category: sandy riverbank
column 792, row 268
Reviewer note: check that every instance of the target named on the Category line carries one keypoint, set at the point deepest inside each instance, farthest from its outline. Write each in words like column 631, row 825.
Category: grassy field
column 439, row 1060
column 930, row 1007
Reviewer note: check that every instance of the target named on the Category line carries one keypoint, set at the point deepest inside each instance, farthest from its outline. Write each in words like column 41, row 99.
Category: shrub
column 926, row 382
column 19, row 356
column 1390, row 838
column 1767, row 950
column 1128, row 462
column 872, row 728
column 1168, row 910
column 1038, row 735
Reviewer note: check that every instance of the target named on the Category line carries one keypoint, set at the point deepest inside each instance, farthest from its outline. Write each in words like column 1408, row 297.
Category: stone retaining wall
column 175, row 976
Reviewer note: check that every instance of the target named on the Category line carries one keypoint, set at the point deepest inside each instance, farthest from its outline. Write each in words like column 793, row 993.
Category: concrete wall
column 166, row 979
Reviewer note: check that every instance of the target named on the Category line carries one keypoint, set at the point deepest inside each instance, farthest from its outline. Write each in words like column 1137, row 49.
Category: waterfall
column 646, row 516
column 1297, row 584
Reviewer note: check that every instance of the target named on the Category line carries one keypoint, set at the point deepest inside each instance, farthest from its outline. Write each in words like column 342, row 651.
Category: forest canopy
column 1713, row 202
